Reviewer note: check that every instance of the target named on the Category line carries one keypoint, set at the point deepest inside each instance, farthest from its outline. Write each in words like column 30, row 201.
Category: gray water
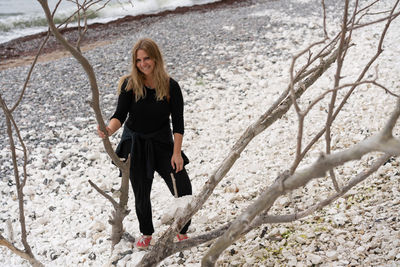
column 24, row 17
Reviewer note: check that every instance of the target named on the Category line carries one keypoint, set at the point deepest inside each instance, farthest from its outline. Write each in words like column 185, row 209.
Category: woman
column 150, row 96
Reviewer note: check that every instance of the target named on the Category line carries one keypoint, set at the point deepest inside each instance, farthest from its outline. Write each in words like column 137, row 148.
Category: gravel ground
column 59, row 91
column 224, row 59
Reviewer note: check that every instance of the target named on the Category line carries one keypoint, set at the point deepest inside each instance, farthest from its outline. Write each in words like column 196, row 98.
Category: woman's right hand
column 101, row 134
column 111, row 128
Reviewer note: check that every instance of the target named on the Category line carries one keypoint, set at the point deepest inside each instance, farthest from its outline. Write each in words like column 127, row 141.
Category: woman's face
column 144, row 63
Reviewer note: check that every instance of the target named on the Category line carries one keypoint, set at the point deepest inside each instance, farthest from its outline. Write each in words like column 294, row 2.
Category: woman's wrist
column 178, row 138
column 113, row 126
column 110, row 131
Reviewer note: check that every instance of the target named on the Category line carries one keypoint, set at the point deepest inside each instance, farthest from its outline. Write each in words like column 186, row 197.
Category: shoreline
column 22, row 51
column 48, row 55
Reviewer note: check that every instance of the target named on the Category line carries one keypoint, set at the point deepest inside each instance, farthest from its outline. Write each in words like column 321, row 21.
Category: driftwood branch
column 10, row 122
column 355, row 84
column 383, row 142
column 304, row 78
column 324, row 18
column 104, row 194
column 162, row 248
column 265, row 218
column 19, row 252
column 120, row 213
column 339, row 62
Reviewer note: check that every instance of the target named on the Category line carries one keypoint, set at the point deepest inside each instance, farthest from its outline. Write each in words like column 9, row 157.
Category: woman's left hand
column 177, row 162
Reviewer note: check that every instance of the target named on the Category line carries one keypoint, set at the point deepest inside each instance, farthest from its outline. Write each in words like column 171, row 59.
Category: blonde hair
column 135, row 80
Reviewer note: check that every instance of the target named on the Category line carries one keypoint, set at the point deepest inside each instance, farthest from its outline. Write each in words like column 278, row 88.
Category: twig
column 265, row 218
column 27, row 79
column 324, row 18
column 339, row 62
column 9, row 122
column 19, row 252
column 104, row 194
column 390, row 17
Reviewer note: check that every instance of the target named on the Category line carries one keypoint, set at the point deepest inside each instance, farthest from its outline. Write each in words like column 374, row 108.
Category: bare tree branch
column 359, row 79
column 122, row 211
column 324, row 18
column 265, row 218
column 162, row 248
column 320, row 97
column 21, row 253
column 27, row 253
column 390, row 17
column 339, row 62
column 27, row 79
column 104, row 194
column 300, row 114
column 382, row 141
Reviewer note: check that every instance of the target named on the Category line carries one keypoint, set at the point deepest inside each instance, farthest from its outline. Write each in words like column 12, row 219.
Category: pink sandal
column 144, row 242
column 182, row 237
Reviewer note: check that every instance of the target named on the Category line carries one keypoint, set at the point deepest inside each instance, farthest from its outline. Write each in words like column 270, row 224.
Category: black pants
column 142, row 188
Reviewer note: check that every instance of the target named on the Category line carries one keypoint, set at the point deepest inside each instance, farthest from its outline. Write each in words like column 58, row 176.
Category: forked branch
column 121, row 211
column 382, row 142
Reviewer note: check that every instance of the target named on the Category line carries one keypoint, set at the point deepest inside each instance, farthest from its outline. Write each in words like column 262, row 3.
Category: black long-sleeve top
column 149, row 115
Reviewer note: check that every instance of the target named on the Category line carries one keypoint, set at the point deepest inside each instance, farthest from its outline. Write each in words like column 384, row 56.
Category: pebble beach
column 232, row 61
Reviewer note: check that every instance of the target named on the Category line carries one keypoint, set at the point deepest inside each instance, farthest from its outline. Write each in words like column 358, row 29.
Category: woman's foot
column 182, row 237
column 143, row 242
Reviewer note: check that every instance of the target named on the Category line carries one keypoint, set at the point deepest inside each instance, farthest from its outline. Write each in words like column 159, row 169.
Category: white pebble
column 315, row 259
column 332, row 255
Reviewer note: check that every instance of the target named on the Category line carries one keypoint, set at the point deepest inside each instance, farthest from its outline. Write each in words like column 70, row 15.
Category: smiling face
column 144, row 63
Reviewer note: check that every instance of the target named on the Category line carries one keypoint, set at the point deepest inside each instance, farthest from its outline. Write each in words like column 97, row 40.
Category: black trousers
column 141, row 185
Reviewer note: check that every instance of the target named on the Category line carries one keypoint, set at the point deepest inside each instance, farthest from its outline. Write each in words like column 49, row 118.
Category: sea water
column 24, row 17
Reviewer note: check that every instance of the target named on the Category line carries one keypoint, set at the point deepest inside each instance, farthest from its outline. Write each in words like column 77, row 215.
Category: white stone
column 315, row 259
column 93, row 156
column 29, row 190
column 356, row 220
column 292, row 262
column 263, row 83
column 258, row 254
column 300, row 240
column 360, row 249
column 344, row 262
column 43, row 220
column 392, row 254
column 332, row 254
column 98, row 226
column 250, row 260
column 339, row 219
column 338, row 232
column 274, row 231
column 366, row 238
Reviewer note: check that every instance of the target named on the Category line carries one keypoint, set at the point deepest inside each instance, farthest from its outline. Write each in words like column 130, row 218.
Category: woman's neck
column 149, row 82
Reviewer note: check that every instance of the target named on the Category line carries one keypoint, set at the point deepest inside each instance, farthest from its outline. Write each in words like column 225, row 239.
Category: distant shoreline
column 21, row 51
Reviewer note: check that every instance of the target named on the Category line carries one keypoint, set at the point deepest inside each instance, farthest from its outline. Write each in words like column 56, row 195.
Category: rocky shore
column 15, row 52
column 231, row 60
